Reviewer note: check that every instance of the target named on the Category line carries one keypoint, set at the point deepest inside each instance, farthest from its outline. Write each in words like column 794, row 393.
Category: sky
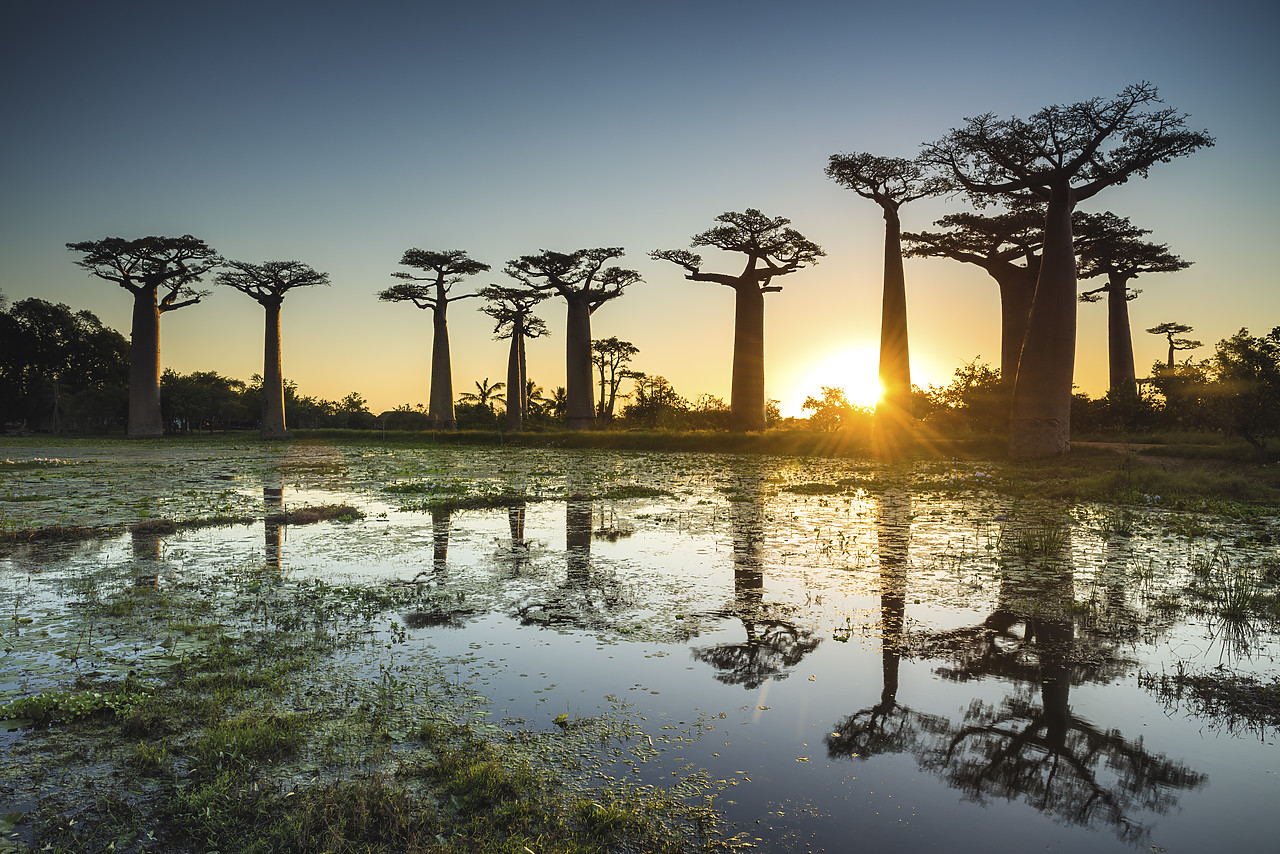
column 341, row 134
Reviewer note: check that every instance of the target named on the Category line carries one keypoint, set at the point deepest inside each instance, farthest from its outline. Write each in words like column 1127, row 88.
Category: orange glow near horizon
column 855, row 370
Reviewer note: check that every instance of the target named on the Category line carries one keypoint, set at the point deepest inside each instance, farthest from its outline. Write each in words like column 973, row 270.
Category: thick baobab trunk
column 515, row 386
column 524, row 379
column 746, row 395
column 1123, row 376
column 1040, row 421
column 273, row 422
column 893, row 412
column 579, row 389
column 1017, row 290
column 145, row 421
column 440, row 408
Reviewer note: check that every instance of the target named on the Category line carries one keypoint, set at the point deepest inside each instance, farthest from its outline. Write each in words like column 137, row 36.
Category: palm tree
column 484, row 395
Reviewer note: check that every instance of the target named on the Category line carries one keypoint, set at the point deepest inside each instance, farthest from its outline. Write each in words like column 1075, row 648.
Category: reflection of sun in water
column 855, row 370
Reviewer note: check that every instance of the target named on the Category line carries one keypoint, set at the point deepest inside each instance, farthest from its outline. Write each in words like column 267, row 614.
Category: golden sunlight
column 856, row 370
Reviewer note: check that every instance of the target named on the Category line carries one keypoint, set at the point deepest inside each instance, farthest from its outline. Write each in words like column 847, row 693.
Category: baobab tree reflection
column 773, row 645
column 1029, row 746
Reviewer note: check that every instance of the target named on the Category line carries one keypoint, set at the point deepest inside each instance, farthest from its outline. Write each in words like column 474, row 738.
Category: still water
column 828, row 652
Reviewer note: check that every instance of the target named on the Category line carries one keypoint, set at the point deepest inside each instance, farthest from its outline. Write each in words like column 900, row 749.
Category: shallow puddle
column 823, row 650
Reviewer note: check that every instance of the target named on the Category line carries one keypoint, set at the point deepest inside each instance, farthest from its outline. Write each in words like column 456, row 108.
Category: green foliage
column 54, row 707
column 656, row 404
column 833, row 411
column 61, row 369
column 1247, row 370
column 974, row 403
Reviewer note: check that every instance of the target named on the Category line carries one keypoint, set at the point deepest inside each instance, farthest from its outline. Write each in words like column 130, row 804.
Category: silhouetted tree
column 59, row 366
column 484, row 394
column 772, row 250
column 144, row 267
column 585, row 283
column 890, row 182
column 1171, row 329
column 512, row 309
column 1110, row 246
column 656, row 403
column 1247, row 370
column 832, row 411
column 267, row 283
column 1062, row 155
column 203, row 399
column 1007, row 246
column 610, row 357
column 443, row 271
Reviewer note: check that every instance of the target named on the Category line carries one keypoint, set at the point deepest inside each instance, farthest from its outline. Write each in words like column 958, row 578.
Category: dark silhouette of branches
column 772, row 250
column 267, row 283
column 161, row 273
column 431, row 291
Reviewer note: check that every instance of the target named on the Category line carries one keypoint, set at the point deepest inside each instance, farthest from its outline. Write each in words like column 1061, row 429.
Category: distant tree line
column 60, row 369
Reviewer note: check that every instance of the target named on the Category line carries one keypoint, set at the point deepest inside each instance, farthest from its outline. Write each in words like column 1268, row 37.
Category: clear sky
column 342, row 133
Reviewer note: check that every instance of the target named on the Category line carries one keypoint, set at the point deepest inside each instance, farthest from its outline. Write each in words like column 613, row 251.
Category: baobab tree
column 585, row 283
column 1061, row 155
column 611, row 357
column 772, row 250
column 512, row 309
column 1171, row 329
column 890, row 182
column 267, row 283
column 443, row 271
column 145, row 267
column 1110, row 246
column 1007, row 246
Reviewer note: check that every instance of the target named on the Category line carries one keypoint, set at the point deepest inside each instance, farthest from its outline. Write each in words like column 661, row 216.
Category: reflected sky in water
column 855, row 653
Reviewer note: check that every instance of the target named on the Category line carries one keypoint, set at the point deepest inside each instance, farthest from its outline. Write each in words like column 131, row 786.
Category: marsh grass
column 165, row 526
column 211, row 755
column 1233, row 701
column 311, row 515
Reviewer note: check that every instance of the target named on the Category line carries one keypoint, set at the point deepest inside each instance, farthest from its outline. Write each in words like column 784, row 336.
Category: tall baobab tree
column 1007, row 246
column 585, row 283
column 431, row 291
column 890, row 182
column 267, row 283
column 145, row 267
column 512, row 311
column 1172, row 328
column 1110, row 246
column 772, row 250
column 1062, row 155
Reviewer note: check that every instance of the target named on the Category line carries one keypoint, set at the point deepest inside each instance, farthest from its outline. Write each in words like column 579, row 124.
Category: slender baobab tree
column 1172, row 328
column 1007, row 246
column 443, row 271
column 772, row 250
column 1062, row 155
column 145, row 267
column 890, row 182
column 1110, row 246
column 267, row 283
column 585, row 283
column 512, row 311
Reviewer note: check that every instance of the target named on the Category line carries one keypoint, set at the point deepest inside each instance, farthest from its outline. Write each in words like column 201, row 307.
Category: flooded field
column 808, row 651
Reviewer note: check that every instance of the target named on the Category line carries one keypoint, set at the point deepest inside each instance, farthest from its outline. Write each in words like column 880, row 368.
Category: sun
column 855, row 370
